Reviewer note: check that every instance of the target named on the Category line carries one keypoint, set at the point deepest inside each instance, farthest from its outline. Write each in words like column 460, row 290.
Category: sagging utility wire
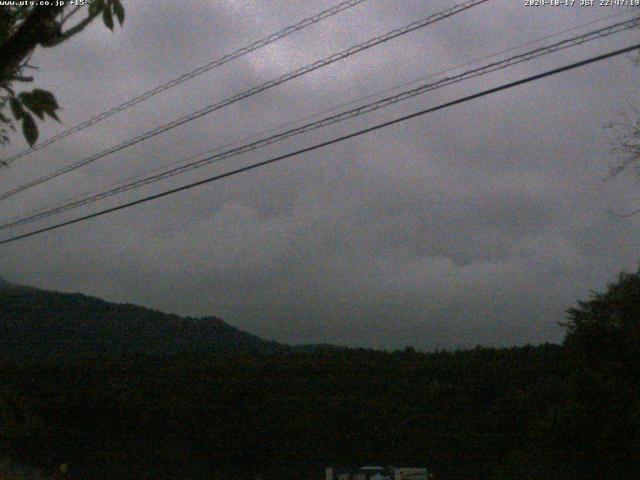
column 317, row 146
column 188, row 76
column 248, row 93
column 340, row 117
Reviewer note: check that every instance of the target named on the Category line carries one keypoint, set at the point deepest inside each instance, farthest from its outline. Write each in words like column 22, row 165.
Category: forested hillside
column 39, row 325
column 549, row 411
column 284, row 414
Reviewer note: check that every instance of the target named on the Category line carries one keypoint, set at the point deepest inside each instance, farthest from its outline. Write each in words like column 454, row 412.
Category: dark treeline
column 43, row 326
column 553, row 412
column 458, row 413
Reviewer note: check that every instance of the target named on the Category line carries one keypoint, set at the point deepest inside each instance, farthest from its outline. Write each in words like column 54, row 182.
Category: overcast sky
column 479, row 224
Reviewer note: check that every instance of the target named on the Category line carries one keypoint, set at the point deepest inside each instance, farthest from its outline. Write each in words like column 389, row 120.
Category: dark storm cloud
column 478, row 224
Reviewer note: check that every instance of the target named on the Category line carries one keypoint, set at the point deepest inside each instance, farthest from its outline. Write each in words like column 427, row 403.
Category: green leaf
column 107, row 16
column 39, row 113
column 24, row 98
column 95, row 7
column 30, row 129
column 16, row 108
column 40, row 102
column 119, row 11
column 53, row 115
column 28, row 100
column 46, row 99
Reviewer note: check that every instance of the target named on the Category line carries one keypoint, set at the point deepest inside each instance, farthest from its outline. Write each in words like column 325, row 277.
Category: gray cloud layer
column 475, row 225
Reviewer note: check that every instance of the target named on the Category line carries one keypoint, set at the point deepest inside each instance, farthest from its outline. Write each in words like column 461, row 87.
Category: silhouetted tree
column 597, row 428
column 23, row 28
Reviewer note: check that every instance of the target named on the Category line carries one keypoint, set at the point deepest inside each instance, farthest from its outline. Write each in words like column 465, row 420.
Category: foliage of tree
column 603, row 344
column 593, row 430
column 23, row 28
column 604, row 332
column 285, row 415
column 554, row 412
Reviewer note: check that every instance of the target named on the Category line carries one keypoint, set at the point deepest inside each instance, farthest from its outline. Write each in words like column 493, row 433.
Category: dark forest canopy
column 549, row 411
column 40, row 325
column 285, row 414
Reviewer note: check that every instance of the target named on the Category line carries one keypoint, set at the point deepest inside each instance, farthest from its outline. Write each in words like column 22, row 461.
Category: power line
column 192, row 74
column 329, row 142
column 253, row 91
column 616, row 28
column 355, row 112
column 237, row 139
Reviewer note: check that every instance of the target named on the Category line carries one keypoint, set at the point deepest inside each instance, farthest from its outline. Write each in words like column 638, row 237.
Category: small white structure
column 405, row 473
column 376, row 473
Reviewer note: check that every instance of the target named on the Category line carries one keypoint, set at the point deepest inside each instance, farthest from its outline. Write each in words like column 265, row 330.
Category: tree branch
column 69, row 15
column 72, row 31
column 21, row 78
column 37, row 28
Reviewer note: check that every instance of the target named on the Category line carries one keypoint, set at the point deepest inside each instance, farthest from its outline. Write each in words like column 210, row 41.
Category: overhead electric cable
column 192, row 74
column 253, row 91
column 382, row 103
column 245, row 138
column 317, row 146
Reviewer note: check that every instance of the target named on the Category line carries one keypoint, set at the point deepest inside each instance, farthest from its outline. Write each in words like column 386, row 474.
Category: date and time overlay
column 527, row 3
column 581, row 3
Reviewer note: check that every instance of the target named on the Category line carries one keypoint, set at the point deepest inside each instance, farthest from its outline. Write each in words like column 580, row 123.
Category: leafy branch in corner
column 23, row 28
